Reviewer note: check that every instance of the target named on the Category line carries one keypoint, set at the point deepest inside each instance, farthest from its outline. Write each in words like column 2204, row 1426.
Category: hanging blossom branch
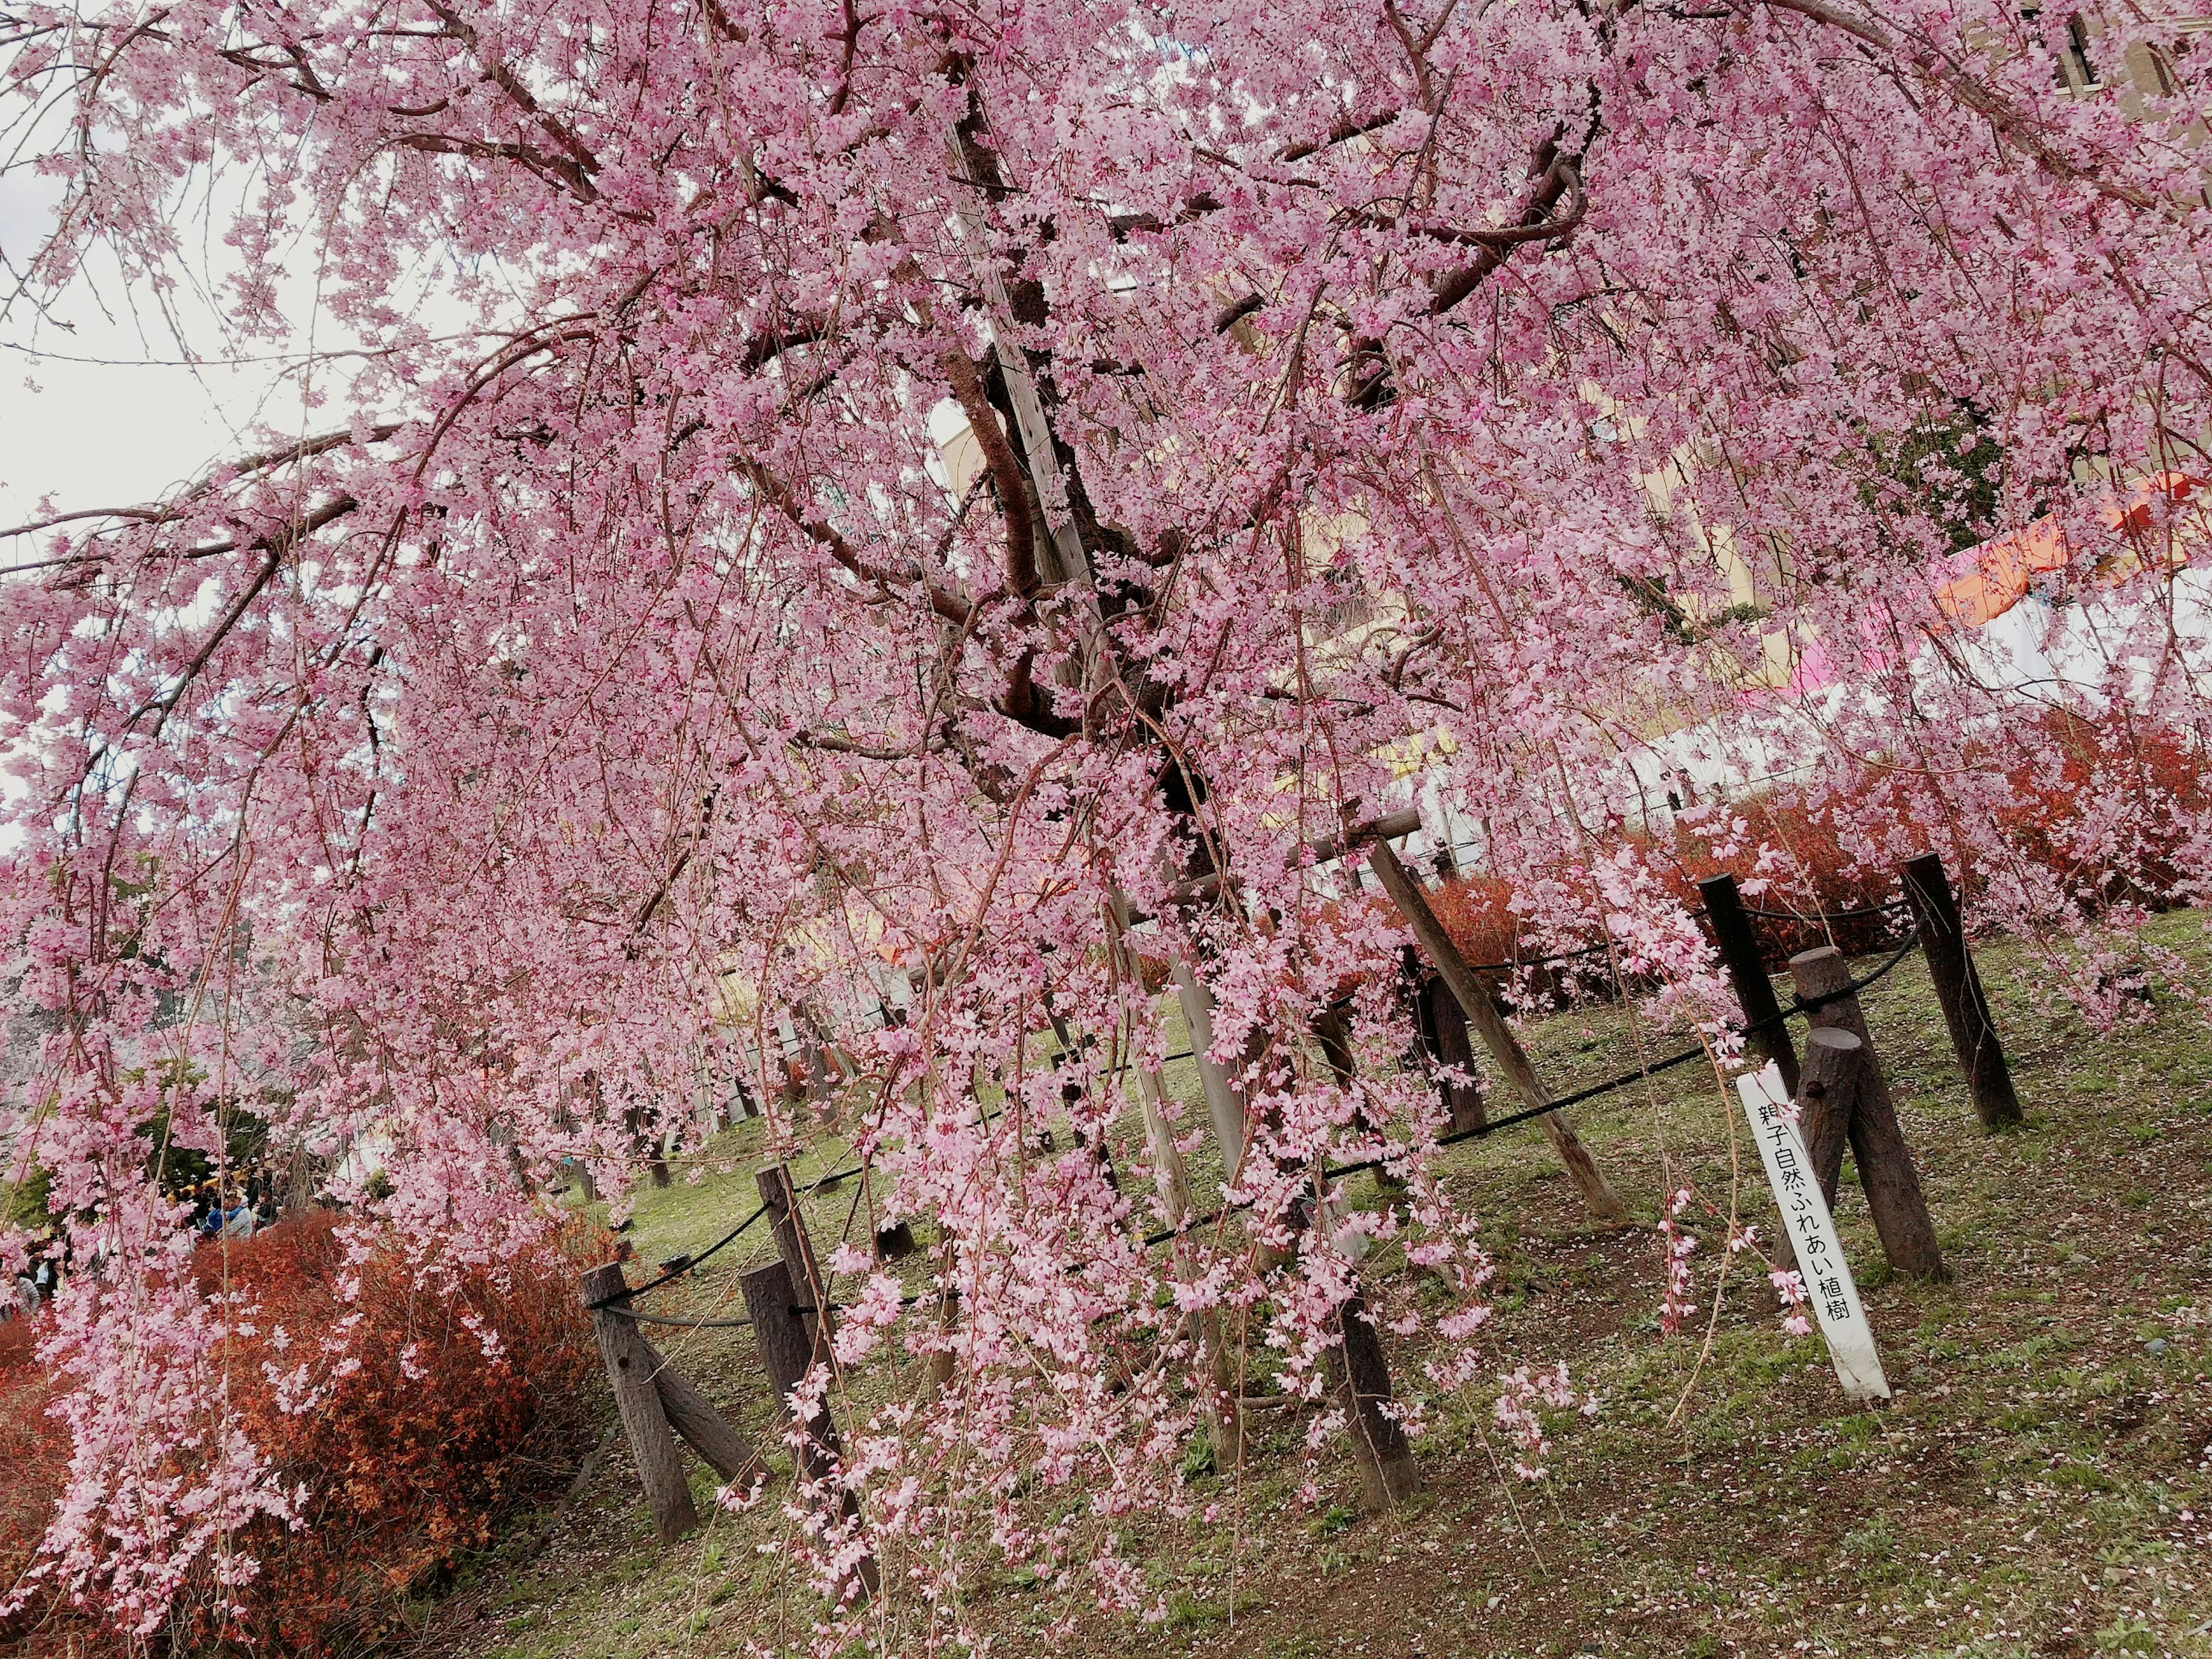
column 914, row 514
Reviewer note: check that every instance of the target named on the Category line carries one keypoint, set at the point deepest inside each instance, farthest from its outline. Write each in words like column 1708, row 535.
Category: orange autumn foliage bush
column 474, row 1397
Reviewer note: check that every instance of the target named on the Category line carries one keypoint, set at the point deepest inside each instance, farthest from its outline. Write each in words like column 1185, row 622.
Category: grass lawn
column 2040, row 1485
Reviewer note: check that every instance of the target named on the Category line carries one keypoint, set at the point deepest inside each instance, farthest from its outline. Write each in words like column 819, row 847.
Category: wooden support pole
column 1224, row 1095
column 1504, row 1047
column 796, row 1246
column 1959, row 989
column 693, row 1416
column 631, row 1364
column 936, row 1373
column 1885, row 1167
column 1389, row 1474
column 1824, row 1093
column 788, row 1350
column 1331, row 1030
column 1754, row 991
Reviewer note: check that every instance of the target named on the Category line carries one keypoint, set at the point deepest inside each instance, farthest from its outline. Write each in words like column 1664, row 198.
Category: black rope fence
column 682, row 1264
column 1797, row 1006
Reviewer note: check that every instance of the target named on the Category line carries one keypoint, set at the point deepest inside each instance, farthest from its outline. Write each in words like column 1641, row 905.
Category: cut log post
column 1769, row 1033
column 895, row 1242
column 631, row 1365
column 1827, row 1095
column 796, row 1246
column 1885, row 1162
column 1473, row 997
column 1959, row 989
column 788, row 1350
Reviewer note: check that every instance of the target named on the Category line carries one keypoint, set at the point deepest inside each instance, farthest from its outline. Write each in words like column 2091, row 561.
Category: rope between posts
column 1854, row 914
column 633, row 1315
column 682, row 1265
column 1850, row 989
column 1797, row 1005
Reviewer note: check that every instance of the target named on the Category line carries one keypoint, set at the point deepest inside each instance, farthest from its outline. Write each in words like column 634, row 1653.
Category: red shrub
column 474, row 1396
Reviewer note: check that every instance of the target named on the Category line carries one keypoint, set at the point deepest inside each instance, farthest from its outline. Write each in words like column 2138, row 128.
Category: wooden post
column 1331, row 1030
column 797, row 1249
column 895, row 1242
column 631, row 1366
column 1885, row 1168
column 1445, row 1028
column 1958, row 988
column 1754, row 991
column 1225, row 1096
column 1473, row 997
column 1827, row 1097
column 1824, row 1093
column 937, row 1372
column 1224, row 1413
column 788, row 1350
column 1389, row 1474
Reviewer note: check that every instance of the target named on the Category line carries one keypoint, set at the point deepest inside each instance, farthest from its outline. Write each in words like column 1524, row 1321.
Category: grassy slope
column 2038, row 1488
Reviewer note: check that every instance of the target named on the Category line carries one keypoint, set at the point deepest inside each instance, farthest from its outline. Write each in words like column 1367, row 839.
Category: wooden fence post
column 1444, row 1025
column 1504, row 1047
column 1331, row 1030
column 792, row 1242
column 1388, row 1474
column 1225, row 1094
column 631, row 1366
column 1959, row 989
column 788, row 1350
column 1885, row 1167
column 1224, row 1414
column 1754, row 991
column 1827, row 1097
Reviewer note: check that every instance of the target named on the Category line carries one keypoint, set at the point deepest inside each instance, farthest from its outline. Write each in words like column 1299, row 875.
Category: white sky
column 99, row 404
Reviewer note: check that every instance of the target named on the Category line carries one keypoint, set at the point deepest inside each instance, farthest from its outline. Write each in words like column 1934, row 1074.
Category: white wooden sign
column 1828, row 1285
